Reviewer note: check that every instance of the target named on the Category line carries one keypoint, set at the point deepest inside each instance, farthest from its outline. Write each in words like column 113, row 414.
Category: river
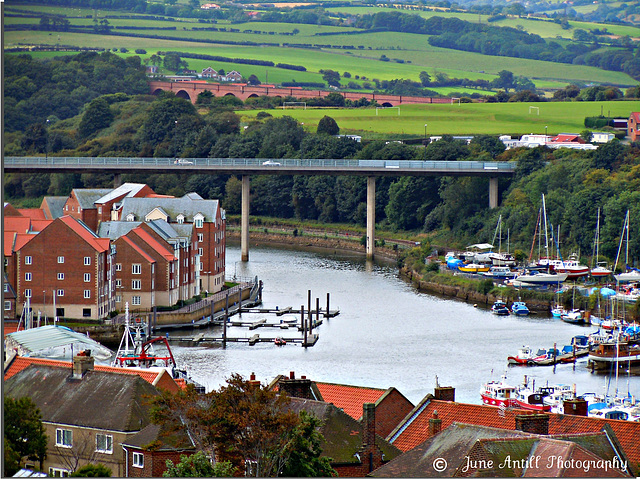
column 387, row 334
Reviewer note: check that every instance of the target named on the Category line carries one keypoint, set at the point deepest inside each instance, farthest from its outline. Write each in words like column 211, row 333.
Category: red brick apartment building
column 65, row 266
column 633, row 126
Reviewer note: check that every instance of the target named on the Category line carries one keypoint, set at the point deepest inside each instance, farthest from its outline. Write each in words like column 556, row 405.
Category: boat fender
column 531, row 362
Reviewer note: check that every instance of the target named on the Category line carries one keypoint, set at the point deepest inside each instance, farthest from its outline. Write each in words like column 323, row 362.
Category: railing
column 260, row 163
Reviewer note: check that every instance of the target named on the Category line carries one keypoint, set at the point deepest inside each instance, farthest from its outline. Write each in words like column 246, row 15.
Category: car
column 182, row 161
column 271, row 163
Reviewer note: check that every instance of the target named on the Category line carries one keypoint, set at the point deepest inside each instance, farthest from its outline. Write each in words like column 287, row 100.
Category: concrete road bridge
column 190, row 90
column 245, row 167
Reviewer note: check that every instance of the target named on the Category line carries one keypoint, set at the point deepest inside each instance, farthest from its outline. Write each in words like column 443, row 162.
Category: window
column 135, row 300
column 99, row 210
column 60, row 312
column 57, row 472
column 87, row 277
column 60, row 276
column 200, row 251
column 27, row 276
column 136, row 268
column 118, row 283
column 118, row 266
column 138, row 459
column 87, row 293
column 87, row 260
column 86, row 312
column 6, row 287
column 61, row 292
column 136, row 284
column 60, row 259
column 200, row 237
column 27, row 293
column 7, row 305
column 64, row 438
column 118, row 298
column 104, row 443
column 27, row 260
column 198, row 222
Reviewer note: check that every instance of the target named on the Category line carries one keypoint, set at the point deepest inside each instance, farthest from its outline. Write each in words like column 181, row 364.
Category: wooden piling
column 226, row 319
column 327, row 313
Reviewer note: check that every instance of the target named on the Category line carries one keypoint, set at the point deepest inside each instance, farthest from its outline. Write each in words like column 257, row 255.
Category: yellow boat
column 474, row 268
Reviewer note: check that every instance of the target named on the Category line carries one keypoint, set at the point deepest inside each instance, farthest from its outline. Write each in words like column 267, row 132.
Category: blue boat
column 519, row 308
column 500, row 308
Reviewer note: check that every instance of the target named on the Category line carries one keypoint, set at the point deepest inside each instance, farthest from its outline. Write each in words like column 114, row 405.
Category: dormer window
column 180, row 218
column 131, row 217
column 198, row 220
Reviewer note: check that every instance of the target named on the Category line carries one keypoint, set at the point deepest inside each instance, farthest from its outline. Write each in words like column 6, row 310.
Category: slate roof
column 140, row 207
column 120, row 398
column 87, row 196
column 128, row 189
column 348, row 398
column 414, row 429
column 161, row 438
column 114, row 229
column 55, row 205
column 343, row 434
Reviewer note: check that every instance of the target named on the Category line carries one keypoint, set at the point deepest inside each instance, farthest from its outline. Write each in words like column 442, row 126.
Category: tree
column 331, row 77
column 305, row 459
column 243, row 422
column 173, row 62
column 425, row 78
column 586, row 135
column 198, row 465
column 253, row 80
column 24, row 434
column 327, row 126
column 505, row 80
column 92, row 470
column 97, row 116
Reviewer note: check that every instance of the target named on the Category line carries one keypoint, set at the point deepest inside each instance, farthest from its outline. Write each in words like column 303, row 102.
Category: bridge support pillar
column 244, row 222
column 371, row 216
column 117, row 180
column 493, row 193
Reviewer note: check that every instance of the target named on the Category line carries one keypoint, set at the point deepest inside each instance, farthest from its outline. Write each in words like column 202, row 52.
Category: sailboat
column 628, row 274
column 601, row 269
column 500, row 258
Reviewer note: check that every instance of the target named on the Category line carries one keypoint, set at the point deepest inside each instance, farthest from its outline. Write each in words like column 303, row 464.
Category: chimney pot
column 81, row 364
column 292, row 375
column 435, row 424
column 252, row 377
column 303, row 377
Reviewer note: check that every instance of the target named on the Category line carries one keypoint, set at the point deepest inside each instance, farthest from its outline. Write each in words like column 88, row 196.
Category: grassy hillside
column 463, row 119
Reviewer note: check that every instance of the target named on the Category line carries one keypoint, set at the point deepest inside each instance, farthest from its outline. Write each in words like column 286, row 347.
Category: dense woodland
column 102, row 122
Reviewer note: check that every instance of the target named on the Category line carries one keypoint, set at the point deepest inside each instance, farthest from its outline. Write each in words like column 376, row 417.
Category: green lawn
column 469, row 118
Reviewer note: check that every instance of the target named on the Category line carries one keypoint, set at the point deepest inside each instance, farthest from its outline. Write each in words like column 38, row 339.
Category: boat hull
column 492, row 401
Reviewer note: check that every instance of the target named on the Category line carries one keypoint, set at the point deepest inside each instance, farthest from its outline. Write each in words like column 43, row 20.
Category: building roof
column 567, row 138
column 126, row 189
column 114, row 229
column 155, row 376
column 9, row 210
column 87, row 196
column 22, row 239
column 19, row 224
column 33, row 213
column 120, row 398
column 415, row 427
column 156, row 245
column 8, row 241
column 186, row 206
column 636, row 116
column 54, row 205
column 161, row 439
column 99, row 244
column 54, row 341
column 39, row 225
column 348, row 398
column 138, row 250
column 342, row 434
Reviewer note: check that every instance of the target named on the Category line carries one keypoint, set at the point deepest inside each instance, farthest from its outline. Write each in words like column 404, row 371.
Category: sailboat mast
column 546, row 237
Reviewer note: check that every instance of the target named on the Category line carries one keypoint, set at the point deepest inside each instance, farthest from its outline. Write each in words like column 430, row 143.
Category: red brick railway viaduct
column 191, row 90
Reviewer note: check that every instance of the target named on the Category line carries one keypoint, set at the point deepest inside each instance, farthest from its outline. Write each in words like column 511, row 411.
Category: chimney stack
column 575, row 407
column 445, row 393
column 370, row 454
column 533, row 423
column 435, row 424
column 82, row 362
column 298, row 388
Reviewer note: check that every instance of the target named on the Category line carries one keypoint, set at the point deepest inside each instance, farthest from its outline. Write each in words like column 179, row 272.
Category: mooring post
column 327, row 312
column 211, row 312
column 226, row 318
column 244, row 222
column 304, row 326
column 317, row 310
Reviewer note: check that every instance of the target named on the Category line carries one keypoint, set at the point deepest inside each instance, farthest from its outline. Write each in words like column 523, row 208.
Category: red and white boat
column 526, row 356
column 499, row 393
column 572, row 267
column 534, row 400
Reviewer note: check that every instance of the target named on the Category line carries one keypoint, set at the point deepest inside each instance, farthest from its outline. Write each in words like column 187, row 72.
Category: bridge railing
column 260, row 163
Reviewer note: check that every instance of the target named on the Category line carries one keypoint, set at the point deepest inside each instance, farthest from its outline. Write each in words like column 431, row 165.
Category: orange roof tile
column 99, row 244
column 19, row 224
column 9, row 238
column 22, row 239
column 415, row 429
column 21, row 362
column 33, row 213
column 40, row 224
column 139, row 250
column 151, row 241
column 349, row 398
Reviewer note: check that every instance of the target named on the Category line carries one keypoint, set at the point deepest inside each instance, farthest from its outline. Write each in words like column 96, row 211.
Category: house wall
column 633, row 127
column 87, row 215
column 390, row 412
column 213, row 257
column 126, row 257
column 155, row 462
column 58, row 240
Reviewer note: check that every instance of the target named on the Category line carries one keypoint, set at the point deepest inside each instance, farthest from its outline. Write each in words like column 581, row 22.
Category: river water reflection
column 387, row 334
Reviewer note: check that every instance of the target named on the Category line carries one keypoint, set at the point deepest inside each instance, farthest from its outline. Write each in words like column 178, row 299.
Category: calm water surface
column 387, row 334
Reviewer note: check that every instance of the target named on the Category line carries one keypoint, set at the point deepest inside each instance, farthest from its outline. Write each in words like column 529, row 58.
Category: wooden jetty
column 561, row 358
column 201, row 340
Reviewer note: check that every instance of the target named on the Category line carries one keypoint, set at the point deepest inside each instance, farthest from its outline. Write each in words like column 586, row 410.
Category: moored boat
column 500, row 308
column 575, row 316
column 500, row 272
column 519, row 308
column 536, row 277
column 607, row 355
column 526, row 356
column 558, row 310
column 473, row 268
column 498, row 393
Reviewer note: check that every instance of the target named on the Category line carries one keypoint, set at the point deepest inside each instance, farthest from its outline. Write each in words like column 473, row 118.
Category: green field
column 458, row 119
